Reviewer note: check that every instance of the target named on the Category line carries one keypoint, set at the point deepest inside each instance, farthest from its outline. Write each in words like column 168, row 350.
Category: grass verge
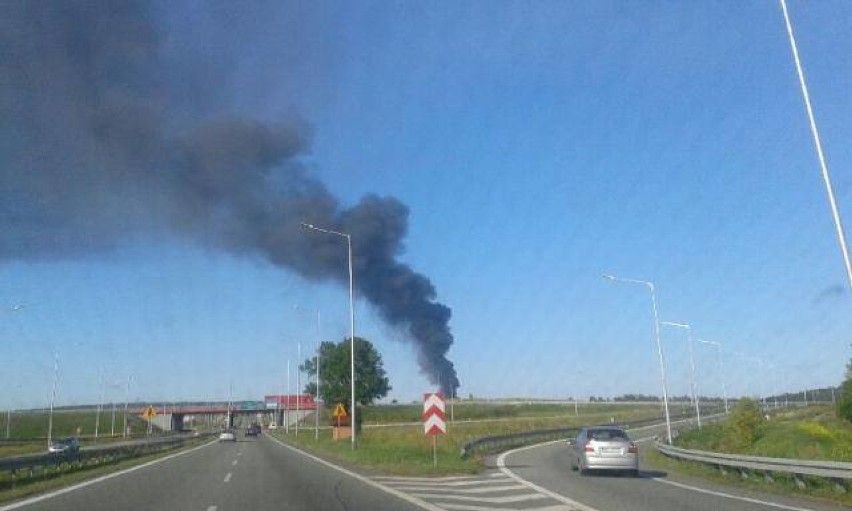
column 405, row 450
column 818, row 489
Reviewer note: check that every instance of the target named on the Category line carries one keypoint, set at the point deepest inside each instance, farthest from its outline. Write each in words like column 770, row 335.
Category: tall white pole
column 298, row 385
column 287, row 404
column 662, row 361
column 351, row 339
column 317, row 358
column 126, row 401
column 100, row 402
column 351, row 324
column 692, row 367
column 8, row 422
column 829, row 189
column 112, row 427
column 53, row 397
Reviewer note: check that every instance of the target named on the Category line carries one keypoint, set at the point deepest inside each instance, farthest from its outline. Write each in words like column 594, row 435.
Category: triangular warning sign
column 339, row 412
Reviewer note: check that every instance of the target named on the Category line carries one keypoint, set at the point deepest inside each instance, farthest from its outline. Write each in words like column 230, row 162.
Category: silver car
column 604, row 448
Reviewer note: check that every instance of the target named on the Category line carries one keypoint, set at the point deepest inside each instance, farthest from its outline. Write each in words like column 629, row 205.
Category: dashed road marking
column 234, row 463
column 212, row 508
column 227, row 477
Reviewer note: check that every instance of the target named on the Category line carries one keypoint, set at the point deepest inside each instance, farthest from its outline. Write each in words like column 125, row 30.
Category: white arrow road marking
column 467, row 507
column 455, row 484
column 444, row 489
column 492, row 500
column 392, row 479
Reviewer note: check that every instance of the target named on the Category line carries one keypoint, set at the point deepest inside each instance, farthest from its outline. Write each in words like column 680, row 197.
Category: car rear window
column 607, row 434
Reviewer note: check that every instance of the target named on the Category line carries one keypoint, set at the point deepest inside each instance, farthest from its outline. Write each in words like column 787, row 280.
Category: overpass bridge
column 276, row 408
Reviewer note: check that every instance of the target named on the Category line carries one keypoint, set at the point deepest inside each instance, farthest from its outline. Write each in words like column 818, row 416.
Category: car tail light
column 588, row 447
column 633, row 449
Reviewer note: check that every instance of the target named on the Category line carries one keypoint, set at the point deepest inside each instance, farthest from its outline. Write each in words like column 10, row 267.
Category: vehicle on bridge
column 604, row 448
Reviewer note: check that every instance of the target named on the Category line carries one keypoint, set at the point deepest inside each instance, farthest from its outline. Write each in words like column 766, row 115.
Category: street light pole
column 298, row 385
column 53, row 397
column 721, row 370
column 100, row 402
column 691, row 365
column 317, row 362
column 351, row 324
column 126, row 402
column 651, row 288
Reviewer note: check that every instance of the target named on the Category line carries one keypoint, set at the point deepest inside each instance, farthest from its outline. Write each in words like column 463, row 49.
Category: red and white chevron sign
column 433, row 414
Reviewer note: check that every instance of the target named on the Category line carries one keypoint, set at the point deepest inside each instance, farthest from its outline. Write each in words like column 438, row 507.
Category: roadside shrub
column 744, row 427
column 844, row 400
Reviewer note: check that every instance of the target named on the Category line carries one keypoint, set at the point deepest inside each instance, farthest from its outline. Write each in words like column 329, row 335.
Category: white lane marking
column 90, row 482
column 491, row 500
column 460, row 484
column 212, row 508
column 730, row 496
column 434, row 479
column 501, row 464
column 227, row 477
column 490, row 489
column 240, row 453
column 468, row 507
column 234, row 463
column 404, row 496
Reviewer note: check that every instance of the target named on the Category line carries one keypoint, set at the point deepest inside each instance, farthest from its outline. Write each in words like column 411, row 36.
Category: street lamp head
column 307, row 226
column 17, row 307
column 608, row 277
column 672, row 323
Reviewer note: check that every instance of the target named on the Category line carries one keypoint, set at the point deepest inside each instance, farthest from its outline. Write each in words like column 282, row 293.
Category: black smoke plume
column 100, row 142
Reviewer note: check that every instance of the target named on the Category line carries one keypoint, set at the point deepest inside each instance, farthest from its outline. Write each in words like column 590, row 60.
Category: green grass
column 816, row 488
column 405, row 450
column 814, row 433
column 33, row 425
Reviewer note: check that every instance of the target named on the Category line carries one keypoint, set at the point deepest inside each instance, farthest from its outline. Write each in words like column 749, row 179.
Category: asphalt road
column 259, row 474
column 251, row 474
column 548, row 467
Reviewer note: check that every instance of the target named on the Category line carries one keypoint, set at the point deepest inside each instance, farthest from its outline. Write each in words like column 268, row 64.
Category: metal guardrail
column 30, row 463
column 834, row 470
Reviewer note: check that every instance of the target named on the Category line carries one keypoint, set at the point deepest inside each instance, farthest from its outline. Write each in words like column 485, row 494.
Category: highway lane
column 547, row 466
column 253, row 473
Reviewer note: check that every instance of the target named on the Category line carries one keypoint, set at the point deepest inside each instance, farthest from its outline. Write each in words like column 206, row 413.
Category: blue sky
column 537, row 146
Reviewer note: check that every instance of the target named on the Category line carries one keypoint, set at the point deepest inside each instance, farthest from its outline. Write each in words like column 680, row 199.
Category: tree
column 844, row 400
column 371, row 381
